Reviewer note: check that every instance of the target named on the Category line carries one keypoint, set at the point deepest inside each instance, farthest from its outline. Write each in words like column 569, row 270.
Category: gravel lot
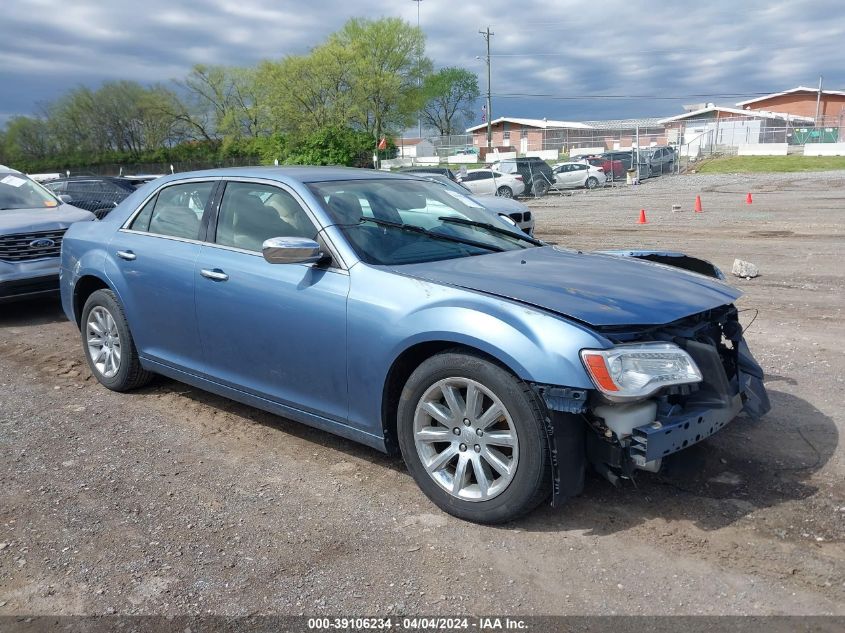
column 174, row 501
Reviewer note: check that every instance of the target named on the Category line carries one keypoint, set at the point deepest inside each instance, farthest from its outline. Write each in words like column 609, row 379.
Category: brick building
column 802, row 101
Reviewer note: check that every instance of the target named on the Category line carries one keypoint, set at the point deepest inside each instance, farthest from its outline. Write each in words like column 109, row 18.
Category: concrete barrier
column 463, row 159
column 545, row 154
column 762, row 149
column 824, row 149
column 585, row 151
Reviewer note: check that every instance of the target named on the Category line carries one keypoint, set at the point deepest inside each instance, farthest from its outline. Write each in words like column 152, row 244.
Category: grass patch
column 762, row 164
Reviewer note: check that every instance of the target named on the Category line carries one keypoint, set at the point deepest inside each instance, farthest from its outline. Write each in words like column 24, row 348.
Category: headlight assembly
column 633, row 372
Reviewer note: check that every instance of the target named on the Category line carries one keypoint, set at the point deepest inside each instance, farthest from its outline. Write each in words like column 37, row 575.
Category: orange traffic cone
column 698, row 208
column 642, row 219
column 748, row 199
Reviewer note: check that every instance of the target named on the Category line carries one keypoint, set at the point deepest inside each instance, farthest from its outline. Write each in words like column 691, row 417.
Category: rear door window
column 176, row 211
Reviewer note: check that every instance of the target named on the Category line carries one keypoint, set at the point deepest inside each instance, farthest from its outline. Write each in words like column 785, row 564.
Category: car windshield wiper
column 411, row 228
column 492, row 228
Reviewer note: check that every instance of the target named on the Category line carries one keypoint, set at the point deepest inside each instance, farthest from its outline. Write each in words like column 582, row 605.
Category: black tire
column 592, row 182
column 504, row 192
column 130, row 375
column 539, row 187
column 531, row 480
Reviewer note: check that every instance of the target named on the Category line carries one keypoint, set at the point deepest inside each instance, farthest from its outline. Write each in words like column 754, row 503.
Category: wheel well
column 84, row 288
column 402, row 369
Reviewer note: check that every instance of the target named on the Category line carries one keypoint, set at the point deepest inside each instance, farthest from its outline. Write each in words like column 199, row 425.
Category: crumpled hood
column 41, row 219
column 598, row 289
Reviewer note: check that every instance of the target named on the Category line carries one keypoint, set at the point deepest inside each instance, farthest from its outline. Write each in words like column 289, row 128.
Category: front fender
column 389, row 314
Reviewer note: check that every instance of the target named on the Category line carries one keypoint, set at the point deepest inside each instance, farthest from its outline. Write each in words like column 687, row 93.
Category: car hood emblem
column 42, row 243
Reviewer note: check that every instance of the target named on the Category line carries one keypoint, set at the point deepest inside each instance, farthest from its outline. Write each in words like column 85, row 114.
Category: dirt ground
column 174, row 501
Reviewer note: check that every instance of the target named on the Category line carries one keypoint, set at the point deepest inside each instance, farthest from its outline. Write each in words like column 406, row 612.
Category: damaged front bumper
column 618, row 440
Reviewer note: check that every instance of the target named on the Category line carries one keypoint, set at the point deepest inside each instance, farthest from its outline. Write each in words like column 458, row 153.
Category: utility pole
column 486, row 34
column 818, row 100
column 419, row 68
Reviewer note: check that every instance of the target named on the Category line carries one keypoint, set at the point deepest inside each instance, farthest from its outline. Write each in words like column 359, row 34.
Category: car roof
column 13, row 172
column 92, row 177
column 304, row 174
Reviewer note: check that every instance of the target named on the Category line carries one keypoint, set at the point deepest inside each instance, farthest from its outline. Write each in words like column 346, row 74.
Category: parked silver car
column 517, row 211
column 32, row 224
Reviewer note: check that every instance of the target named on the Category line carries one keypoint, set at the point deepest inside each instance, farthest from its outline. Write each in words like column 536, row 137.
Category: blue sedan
column 400, row 314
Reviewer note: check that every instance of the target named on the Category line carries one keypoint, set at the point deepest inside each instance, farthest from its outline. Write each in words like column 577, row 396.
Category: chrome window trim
column 243, row 251
column 164, row 237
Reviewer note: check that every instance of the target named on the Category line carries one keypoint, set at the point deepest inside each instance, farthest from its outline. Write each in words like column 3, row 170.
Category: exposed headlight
column 631, row 372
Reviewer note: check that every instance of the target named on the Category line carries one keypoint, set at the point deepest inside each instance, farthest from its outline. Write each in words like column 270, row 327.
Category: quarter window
column 142, row 220
column 252, row 213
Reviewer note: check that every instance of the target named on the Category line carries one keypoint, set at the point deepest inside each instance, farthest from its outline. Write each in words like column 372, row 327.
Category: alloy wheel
column 103, row 341
column 466, row 439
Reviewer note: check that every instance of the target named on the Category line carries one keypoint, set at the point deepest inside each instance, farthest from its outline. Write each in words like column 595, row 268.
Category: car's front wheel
column 504, row 192
column 472, row 436
column 108, row 344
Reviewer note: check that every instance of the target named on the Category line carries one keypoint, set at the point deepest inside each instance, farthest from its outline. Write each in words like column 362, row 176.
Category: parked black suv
column 661, row 158
column 98, row 194
column 535, row 172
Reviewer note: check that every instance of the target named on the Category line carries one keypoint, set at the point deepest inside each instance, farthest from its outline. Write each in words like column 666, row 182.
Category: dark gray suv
column 536, row 173
column 32, row 224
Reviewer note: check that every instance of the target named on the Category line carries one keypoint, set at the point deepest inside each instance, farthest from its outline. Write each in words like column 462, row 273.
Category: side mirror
column 291, row 250
column 509, row 219
column 65, row 198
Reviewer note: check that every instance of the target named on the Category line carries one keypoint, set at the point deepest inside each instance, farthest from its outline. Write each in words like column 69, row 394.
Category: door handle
column 127, row 255
column 215, row 275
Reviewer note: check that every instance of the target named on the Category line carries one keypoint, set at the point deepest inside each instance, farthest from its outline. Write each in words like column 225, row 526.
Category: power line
column 610, row 97
column 581, row 53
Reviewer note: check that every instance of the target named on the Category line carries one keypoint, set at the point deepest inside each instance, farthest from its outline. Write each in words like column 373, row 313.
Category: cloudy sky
column 550, row 59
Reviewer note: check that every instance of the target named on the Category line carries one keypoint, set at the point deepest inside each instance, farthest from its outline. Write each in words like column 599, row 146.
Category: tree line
column 369, row 80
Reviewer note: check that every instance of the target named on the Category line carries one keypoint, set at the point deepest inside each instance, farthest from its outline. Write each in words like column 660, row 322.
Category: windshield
column 391, row 222
column 19, row 192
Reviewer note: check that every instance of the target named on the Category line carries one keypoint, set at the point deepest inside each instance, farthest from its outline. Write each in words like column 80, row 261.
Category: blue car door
column 274, row 330
column 155, row 255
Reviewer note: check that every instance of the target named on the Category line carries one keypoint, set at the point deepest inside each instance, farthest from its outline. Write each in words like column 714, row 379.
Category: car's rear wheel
column 539, row 187
column 472, row 436
column 592, row 182
column 504, row 192
column 108, row 344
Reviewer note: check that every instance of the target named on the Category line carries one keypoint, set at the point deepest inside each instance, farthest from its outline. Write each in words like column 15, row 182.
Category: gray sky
column 562, row 49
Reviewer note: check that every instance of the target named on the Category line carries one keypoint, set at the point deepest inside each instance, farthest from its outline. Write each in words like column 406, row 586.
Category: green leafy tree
column 306, row 92
column 221, row 101
column 450, row 95
column 333, row 146
column 27, row 138
column 386, row 69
